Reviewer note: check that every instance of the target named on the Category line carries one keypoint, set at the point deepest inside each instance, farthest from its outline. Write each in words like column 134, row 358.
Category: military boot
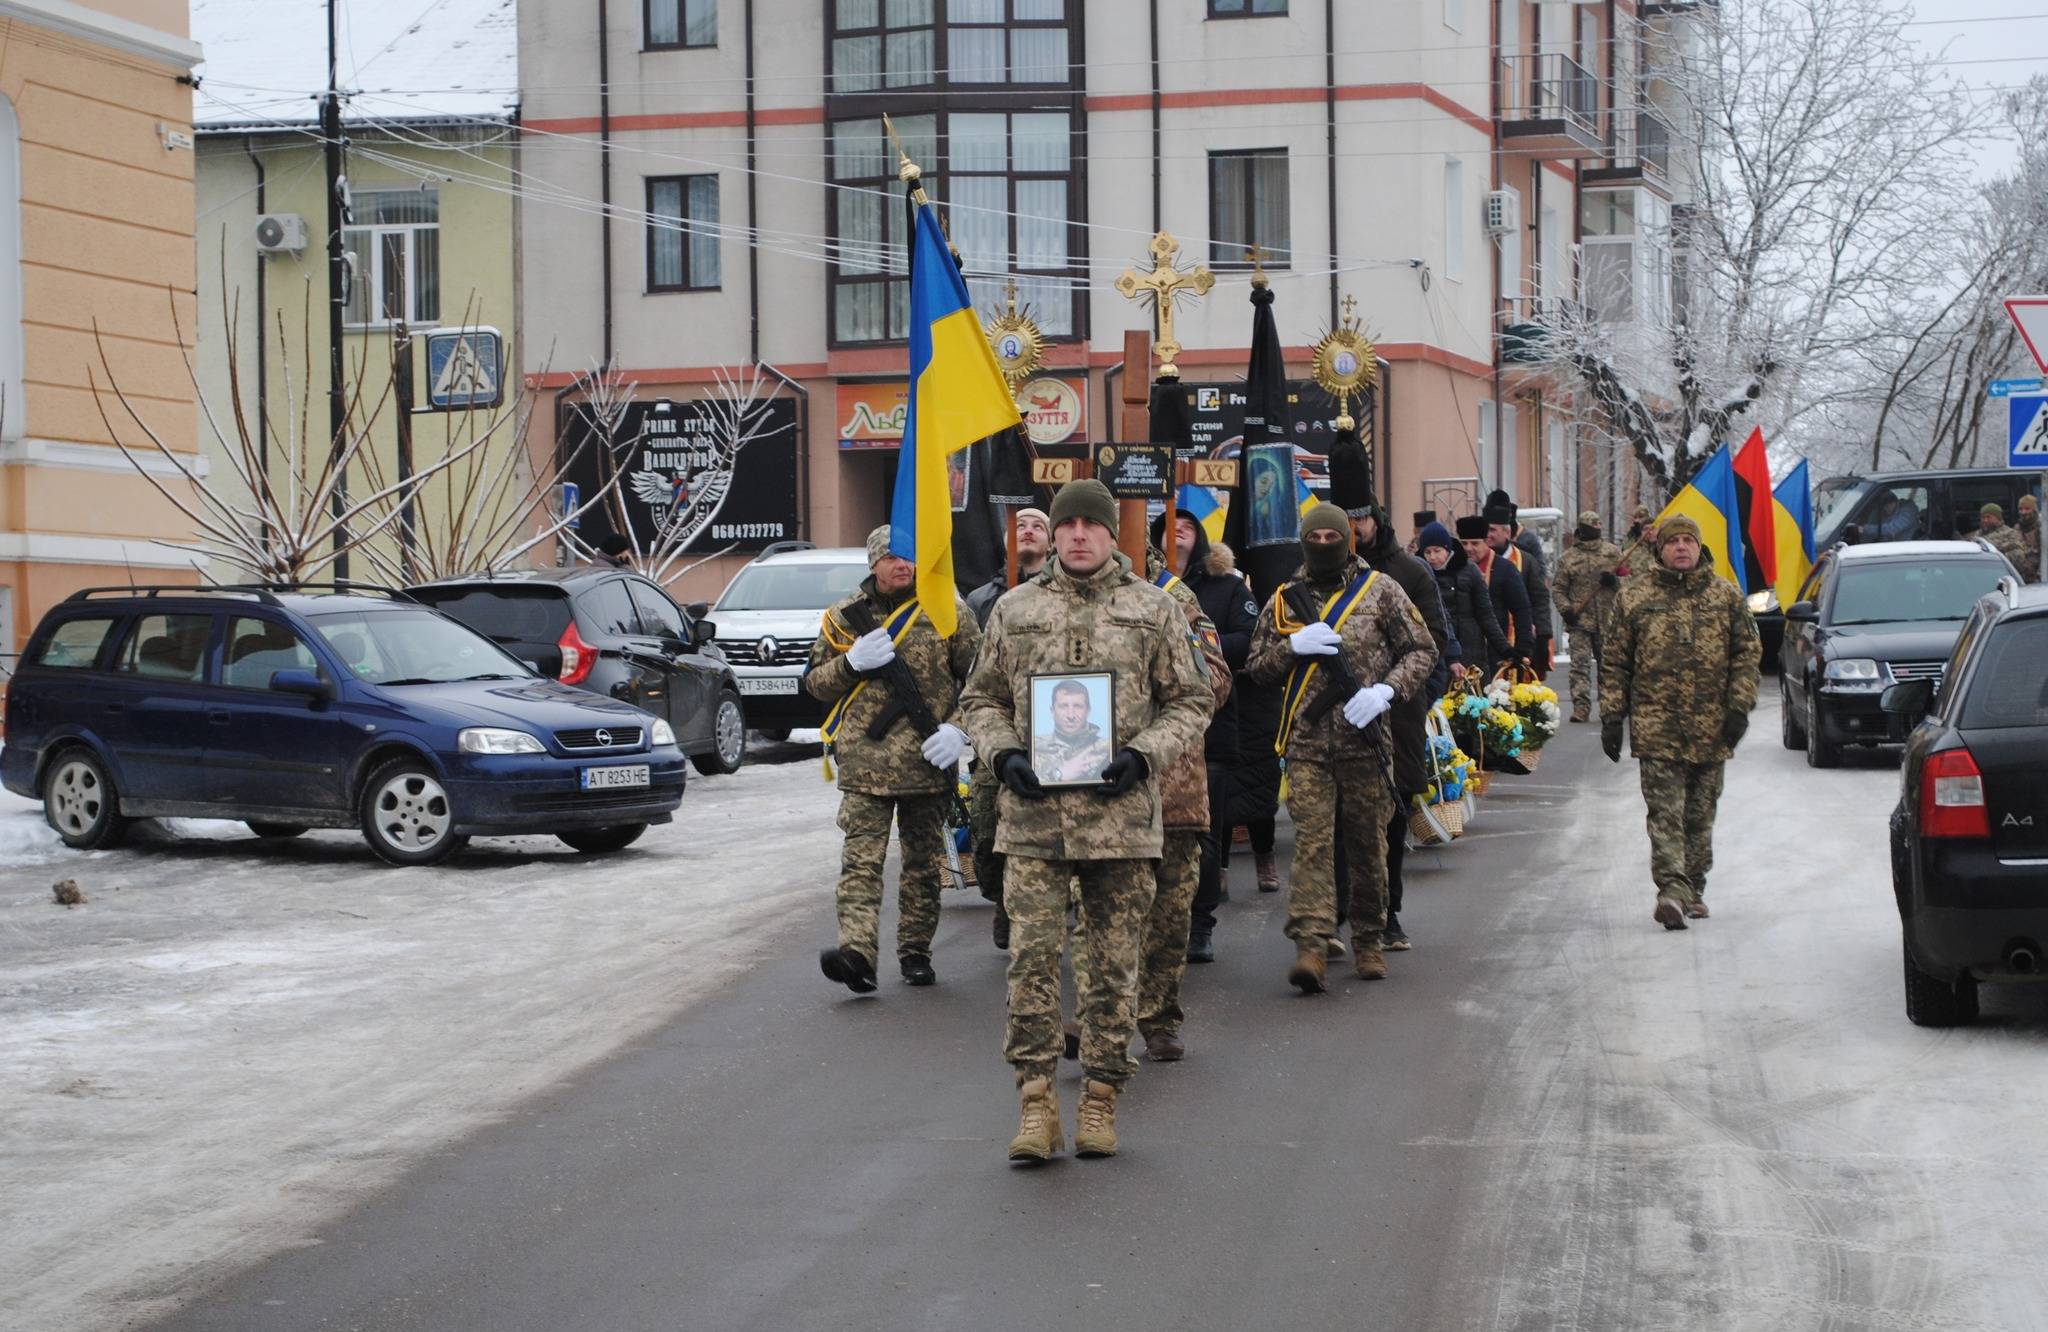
column 1310, row 967
column 1095, row 1122
column 1371, row 963
column 1269, row 871
column 1670, row 913
column 1038, row 1123
column 848, row 967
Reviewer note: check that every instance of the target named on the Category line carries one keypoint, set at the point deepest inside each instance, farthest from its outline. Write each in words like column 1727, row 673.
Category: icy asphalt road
column 1554, row 1114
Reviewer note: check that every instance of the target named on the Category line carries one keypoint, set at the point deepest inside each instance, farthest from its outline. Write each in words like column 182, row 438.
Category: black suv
column 612, row 632
column 1868, row 617
column 1969, row 837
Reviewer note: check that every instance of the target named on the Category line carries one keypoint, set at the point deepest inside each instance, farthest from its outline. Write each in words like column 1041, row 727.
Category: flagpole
column 907, row 171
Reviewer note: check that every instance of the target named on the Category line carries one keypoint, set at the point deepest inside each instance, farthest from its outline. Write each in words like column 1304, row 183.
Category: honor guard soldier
column 1586, row 588
column 1088, row 614
column 1348, row 643
column 891, row 684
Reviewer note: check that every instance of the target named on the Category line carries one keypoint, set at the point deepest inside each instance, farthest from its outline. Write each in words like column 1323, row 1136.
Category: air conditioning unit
column 1503, row 212
column 280, row 233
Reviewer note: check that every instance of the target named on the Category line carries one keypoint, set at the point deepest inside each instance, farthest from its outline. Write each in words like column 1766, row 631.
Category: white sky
column 1993, row 44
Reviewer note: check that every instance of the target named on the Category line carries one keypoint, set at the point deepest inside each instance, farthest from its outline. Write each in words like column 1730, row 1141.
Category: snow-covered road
column 228, row 1039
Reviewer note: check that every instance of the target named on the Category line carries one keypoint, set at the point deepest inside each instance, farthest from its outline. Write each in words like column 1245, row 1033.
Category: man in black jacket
column 1504, row 585
column 1227, row 601
column 1507, row 536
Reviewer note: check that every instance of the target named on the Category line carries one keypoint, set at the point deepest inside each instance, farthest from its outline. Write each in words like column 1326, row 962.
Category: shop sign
column 1054, row 409
column 681, row 476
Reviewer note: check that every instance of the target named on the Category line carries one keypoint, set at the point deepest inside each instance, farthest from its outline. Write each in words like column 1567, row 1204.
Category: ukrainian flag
column 1710, row 500
column 1199, row 503
column 957, row 396
column 1792, row 506
column 1304, row 498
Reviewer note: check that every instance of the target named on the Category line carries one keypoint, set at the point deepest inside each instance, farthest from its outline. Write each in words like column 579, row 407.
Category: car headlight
column 663, row 733
column 1764, row 602
column 492, row 740
column 1853, row 668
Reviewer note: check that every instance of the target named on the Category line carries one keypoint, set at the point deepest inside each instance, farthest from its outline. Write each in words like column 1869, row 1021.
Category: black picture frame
column 1077, row 760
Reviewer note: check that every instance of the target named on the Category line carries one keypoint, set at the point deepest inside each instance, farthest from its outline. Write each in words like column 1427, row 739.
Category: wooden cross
column 1161, row 286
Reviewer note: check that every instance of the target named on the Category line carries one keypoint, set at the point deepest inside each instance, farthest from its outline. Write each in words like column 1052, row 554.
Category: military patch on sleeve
column 1415, row 613
column 1210, row 639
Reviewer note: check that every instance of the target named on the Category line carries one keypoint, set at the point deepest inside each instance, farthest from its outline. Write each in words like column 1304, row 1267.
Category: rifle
column 1343, row 684
column 904, row 698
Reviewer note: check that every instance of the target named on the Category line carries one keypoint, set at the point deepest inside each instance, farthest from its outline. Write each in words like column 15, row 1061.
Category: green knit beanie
column 1327, row 516
column 1085, row 499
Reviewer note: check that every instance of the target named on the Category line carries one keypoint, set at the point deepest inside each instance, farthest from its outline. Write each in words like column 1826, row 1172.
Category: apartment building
column 708, row 184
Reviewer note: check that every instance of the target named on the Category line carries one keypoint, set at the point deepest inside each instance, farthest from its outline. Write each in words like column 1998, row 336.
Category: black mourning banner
column 677, row 474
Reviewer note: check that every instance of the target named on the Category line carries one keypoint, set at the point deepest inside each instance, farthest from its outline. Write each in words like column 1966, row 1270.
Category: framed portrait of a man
column 1073, row 727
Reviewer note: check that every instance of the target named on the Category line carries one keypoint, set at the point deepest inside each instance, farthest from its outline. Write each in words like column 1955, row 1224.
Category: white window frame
column 1455, row 219
column 372, row 282
column 14, row 409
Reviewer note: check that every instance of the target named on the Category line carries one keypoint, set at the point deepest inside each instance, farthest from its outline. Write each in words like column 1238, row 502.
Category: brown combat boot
column 1696, row 910
column 1038, row 1124
column 1670, row 913
column 1164, row 1047
column 1581, row 714
column 1269, row 871
column 1095, row 1122
column 1309, row 969
column 1372, row 964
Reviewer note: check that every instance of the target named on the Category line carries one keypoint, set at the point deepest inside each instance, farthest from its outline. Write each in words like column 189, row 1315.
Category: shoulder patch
column 1415, row 613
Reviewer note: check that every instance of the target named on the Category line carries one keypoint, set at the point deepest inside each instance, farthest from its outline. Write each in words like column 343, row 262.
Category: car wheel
column 278, row 832
column 603, row 841
column 1819, row 753
column 1932, row 1002
column 80, row 802
column 1790, row 732
column 406, row 815
column 728, row 738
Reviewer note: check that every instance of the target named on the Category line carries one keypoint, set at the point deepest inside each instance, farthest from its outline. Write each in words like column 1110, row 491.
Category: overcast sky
column 1994, row 44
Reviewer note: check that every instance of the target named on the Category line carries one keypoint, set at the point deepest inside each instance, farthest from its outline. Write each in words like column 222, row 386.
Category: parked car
column 1869, row 617
column 1969, row 836
column 301, row 710
column 614, row 633
column 769, row 616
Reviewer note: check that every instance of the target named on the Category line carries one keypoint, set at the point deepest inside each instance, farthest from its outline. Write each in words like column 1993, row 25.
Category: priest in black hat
column 1507, row 536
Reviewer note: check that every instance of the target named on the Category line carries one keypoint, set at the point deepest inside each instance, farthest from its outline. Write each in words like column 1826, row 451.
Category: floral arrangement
column 1534, row 705
column 1479, row 725
column 1452, row 773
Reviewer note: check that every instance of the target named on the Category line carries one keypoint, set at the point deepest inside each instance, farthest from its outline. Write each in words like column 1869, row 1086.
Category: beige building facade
column 96, row 221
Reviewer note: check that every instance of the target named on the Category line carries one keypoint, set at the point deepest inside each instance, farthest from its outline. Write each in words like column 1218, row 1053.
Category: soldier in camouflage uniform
column 898, row 775
column 2005, row 540
column 1341, row 755
column 1034, row 546
column 1086, row 612
column 1585, row 589
column 1680, row 663
column 2029, row 523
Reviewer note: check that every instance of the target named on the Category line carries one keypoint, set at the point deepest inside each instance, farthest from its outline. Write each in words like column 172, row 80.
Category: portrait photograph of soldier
column 1072, row 724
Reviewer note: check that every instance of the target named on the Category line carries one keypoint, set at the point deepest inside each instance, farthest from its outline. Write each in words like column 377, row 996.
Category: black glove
column 1608, row 580
column 1733, row 727
column 1610, row 737
column 1014, row 771
column 1571, row 618
column 1125, row 771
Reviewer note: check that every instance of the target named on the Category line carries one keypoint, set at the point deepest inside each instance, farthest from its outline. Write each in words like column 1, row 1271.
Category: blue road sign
column 2026, row 441
column 572, row 500
column 2005, row 388
column 465, row 368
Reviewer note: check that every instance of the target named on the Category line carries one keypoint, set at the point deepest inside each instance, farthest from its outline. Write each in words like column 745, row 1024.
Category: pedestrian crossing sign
column 2027, row 433
column 465, row 369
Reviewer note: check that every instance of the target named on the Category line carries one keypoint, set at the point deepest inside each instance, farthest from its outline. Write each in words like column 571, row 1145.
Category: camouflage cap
column 1589, row 518
column 1676, row 524
column 2028, row 504
column 1994, row 509
column 878, row 545
column 1641, row 514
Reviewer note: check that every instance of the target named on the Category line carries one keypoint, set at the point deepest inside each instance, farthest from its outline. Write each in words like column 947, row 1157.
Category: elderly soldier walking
column 1680, row 663
column 887, row 767
column 1586, row 588
column 1348, row 643
column 1086, row 613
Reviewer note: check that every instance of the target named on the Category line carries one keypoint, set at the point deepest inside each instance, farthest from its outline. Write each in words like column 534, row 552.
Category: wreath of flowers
column 1451, row 770
column 1534, row 705
column 1482, row 726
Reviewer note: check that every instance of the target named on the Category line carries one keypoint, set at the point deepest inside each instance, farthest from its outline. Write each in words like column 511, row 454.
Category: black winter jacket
column 1408, row 717
column 1536, row 578
column 1227, row 601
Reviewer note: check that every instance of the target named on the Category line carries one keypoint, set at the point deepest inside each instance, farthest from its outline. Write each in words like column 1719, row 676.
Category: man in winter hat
column 1507, row 536
column 1506, row 590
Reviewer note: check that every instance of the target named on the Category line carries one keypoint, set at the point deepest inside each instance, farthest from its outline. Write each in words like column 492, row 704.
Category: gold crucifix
column 1259, row 254
column 1162, row 285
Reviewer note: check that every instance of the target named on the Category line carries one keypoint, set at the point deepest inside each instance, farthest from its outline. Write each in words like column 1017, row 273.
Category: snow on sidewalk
column 229, row 1042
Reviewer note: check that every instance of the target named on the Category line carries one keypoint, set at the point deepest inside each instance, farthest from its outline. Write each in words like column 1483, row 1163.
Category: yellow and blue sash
column 1335, row 611
column 899, row 627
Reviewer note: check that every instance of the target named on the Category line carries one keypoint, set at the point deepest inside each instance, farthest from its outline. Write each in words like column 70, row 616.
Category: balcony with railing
column 1639, row 155
column 1550, row 107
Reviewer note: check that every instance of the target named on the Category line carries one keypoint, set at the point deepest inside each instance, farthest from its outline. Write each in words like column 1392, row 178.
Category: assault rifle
column 1342, row 683
column 904, row 698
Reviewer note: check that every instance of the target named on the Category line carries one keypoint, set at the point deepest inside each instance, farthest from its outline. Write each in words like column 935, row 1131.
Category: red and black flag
column 1758, row 519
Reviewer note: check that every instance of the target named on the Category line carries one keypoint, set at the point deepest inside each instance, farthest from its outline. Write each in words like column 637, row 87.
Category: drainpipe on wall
column 604, row 154
column 1330, row 140
column 753, row 212
column 1493, row 174
column 1158, row 163
column 262, row 354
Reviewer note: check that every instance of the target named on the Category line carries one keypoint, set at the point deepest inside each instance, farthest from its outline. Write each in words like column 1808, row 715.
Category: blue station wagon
column 308, row 709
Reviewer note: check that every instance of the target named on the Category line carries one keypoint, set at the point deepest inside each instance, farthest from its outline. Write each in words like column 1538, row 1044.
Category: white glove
column 1368, row 703
column 943, row 748
column 871, row 651
column 1314, row 639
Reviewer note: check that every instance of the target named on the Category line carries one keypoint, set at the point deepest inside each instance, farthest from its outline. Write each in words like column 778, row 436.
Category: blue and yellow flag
column 1199, row 503
column 1792, row 505
column 1710, row 500
column 957, row 396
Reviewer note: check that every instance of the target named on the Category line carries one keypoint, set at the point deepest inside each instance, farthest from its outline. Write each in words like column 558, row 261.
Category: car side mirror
column 304, row 682
column 1911, row 699
column 1802, row 612
column 703, row 631
column 697, row 610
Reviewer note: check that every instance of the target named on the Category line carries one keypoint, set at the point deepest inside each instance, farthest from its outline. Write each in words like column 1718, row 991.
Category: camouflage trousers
column 1115, row 897
column 981, row 834
column 920, row 823
column 1681, row 798
column 1585, row 656
column 1163, row 953
column 1313, row 790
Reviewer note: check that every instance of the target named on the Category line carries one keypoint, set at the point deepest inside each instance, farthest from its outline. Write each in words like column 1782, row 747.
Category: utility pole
column 337, row 403
column 401, row 394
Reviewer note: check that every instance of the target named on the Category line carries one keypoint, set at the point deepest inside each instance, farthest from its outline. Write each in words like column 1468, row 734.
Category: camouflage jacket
column 1386, row 642
column 2030, row 538
column 893, row 765
column 1680, row 654
column 1184, row 787
column 1577, row 586
column 2007, row 541
column 1058, row 624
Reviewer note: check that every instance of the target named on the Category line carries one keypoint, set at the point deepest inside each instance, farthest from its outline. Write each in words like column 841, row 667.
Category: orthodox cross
column 1161, row 286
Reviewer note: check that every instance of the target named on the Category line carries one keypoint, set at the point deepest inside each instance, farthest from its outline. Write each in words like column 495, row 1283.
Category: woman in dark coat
column 1481, row 640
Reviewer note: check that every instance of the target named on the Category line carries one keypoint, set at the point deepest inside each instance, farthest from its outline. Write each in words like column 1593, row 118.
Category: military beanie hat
column 1472, row 527
column 1994, row 508
column 1088, row 499
column 878, row 545
column 1326, row 517
column 1676, row 524
column 1589, row 518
